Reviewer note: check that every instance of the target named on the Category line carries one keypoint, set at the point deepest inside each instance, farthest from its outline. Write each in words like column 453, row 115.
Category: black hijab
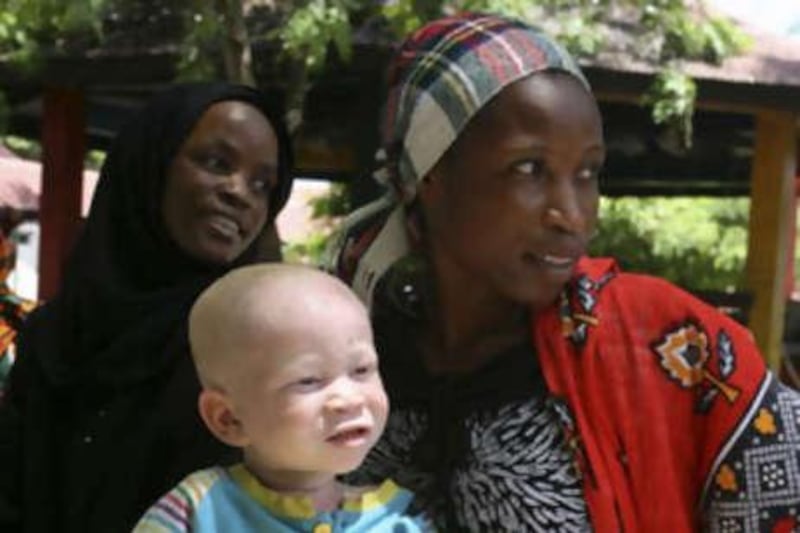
column 120, row 315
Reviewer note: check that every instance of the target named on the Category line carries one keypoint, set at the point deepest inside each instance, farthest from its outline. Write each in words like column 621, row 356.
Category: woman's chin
column 535, row 296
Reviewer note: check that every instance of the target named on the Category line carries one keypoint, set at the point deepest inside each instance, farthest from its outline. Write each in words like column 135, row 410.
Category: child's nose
column 345, row 397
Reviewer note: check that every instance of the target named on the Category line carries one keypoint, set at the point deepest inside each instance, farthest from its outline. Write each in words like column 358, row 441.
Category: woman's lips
column 550, row 260
column 558, row 261
column 224, row 227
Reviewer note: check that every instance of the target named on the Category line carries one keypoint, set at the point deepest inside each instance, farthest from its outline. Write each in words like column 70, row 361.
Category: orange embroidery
column 765, row 422
column 726, row 479
column 684, row 354
column 567, row 326
column 586, row 319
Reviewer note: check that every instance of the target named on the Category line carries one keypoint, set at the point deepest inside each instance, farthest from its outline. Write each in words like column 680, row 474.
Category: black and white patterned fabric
column 756, row 486
column 516, row 474
column 482, row 450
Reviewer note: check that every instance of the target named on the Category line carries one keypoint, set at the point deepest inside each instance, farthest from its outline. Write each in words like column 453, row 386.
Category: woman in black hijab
column 100, row 417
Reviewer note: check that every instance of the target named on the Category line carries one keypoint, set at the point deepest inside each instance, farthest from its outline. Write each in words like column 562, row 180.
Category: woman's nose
column 563, row 210
column 236, row 189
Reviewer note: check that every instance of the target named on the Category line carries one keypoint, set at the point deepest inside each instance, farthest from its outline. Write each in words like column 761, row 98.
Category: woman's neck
column 470, row 324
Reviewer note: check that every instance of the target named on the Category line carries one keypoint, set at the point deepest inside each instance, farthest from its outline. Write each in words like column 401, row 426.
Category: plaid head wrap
column 442, row 75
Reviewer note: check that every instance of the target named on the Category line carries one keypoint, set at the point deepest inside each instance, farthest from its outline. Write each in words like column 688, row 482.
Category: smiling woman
column 100, row 417
column 215, row 201
column 534, row 388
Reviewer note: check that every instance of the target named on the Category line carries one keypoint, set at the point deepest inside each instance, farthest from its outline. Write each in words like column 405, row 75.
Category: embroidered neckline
column 356, row 499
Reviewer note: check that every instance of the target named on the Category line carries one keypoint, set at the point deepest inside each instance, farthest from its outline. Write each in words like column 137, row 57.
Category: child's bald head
column 244, row 310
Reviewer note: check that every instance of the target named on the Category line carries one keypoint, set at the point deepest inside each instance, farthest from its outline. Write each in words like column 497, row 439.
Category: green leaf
column 402, row 17
column 671, row 97
column 312, row 28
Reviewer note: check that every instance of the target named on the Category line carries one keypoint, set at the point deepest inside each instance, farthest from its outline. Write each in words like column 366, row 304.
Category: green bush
column 698, row 243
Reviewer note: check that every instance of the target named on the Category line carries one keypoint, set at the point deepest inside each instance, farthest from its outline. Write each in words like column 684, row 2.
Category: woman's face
column 216, row 196
column 512, row 206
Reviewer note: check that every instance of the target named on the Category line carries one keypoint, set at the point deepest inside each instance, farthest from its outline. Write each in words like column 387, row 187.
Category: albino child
column 289, row 374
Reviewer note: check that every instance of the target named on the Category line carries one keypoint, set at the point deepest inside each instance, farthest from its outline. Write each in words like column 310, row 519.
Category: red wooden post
column 64, row 146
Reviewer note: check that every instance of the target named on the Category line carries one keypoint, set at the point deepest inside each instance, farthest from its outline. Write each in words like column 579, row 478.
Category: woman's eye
column 263, row 179
column 531, row 167
column 259, row 185
column 214, row 163
column 589, row 174
column 262, row 184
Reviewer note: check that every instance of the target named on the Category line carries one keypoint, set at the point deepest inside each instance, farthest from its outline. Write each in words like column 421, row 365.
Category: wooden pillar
column 771, row 200
column 789, row 281
column 63, row 146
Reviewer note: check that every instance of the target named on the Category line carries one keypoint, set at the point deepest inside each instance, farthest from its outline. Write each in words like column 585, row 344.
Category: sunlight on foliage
column 671, row 96
column 329, row 209
column 402, row 16
column 698, row 243
column 310, row 29
column 513, row 8
column 307, row 252
column 687, row 36
column 684, row 35
column 204, row 31
column 11, row 32
column 580, row 36
column 24, row 148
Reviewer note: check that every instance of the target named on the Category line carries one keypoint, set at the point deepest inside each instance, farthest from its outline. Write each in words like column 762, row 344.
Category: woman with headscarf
column 101, row 412
column 534, row 388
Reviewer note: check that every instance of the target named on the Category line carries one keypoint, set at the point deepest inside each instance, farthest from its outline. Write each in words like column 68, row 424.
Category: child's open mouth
column 350, row 437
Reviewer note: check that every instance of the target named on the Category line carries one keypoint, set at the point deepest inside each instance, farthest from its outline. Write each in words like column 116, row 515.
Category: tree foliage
column 28, row 26
column 699, row 243
column 310, row 32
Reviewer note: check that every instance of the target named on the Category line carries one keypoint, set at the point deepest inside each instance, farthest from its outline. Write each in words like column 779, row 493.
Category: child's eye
column 364, row 370
column 307, row 383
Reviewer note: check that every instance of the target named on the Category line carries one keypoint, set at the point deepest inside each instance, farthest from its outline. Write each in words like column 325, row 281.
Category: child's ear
column 217, row 413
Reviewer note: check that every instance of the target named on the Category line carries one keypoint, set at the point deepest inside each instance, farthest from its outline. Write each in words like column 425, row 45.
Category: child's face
column 314, row 401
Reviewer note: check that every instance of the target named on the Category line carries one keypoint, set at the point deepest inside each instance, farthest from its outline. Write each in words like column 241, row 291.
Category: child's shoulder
column 365, row 497
column 174, row 511
column 386, row 506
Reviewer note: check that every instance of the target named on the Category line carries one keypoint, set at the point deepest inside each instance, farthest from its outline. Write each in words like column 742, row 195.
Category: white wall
column 24, row 278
